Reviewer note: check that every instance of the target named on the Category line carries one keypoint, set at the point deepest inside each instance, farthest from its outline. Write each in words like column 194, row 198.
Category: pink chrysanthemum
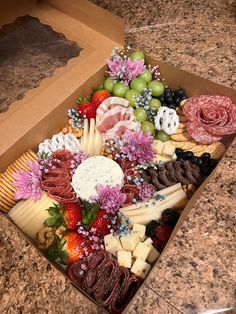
column 138, row 146
column 146, row 191
column 110, row 197
column 125, row 70
column 28, row 183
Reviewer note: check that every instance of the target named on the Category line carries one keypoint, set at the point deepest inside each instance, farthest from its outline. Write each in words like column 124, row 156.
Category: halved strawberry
column 73, row 247
column 87, row 110
column 102, row 223
column 99, row 96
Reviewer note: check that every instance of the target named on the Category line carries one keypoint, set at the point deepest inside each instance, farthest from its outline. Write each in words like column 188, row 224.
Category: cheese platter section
column 102, row 196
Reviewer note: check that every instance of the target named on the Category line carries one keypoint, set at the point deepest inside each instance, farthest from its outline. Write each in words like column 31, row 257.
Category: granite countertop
column 197, row 273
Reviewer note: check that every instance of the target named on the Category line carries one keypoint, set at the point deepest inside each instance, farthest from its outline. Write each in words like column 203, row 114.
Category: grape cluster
column 172, row 98
column 205, row 162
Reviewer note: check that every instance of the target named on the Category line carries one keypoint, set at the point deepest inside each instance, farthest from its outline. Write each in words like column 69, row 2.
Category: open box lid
column 95, row 30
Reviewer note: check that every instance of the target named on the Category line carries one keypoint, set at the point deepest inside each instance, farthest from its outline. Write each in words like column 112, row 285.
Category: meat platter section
column 102, row 197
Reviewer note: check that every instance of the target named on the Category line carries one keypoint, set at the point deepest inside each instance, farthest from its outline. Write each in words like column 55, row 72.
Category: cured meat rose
column 210, row 118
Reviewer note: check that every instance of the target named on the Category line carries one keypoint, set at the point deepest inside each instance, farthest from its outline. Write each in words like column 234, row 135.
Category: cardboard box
column 59, row 92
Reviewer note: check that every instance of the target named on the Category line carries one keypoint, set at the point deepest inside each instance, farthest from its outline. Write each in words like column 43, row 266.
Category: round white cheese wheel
column 93, row 171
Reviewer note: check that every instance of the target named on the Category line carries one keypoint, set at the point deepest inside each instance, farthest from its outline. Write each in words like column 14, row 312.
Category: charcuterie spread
column 102, row 196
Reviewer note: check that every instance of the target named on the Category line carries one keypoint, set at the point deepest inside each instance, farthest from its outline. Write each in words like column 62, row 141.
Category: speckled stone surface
column 197, row 272
column 29, row 52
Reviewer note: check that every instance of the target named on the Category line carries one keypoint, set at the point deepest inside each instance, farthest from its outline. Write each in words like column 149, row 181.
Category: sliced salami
column 199, row 134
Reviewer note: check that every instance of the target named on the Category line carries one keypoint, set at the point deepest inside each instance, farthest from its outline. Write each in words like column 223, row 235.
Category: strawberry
column 87, row 110
column 72, row 215
column 99, row 96
column 101, row 223
column 158, row 244
column 94, row 217
column 67, row 215
column 73, row 247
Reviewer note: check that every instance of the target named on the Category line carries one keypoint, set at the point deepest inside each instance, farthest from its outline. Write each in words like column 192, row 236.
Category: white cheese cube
column 130, row 241
column 124, row 258
column 142, row 251
column 169, row 149
column 148, row 241
column 112, row 244
column 153, row 255
column 140, row 268
column 140, row 229
column 158, row 147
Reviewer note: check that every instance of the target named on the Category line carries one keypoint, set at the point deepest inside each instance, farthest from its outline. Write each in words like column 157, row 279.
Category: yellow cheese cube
column 142, row 251
column 140, row 229
column 124, row 258
column 158, row 147
column 112, row 244
column 130, row 241
column 148, row 241
column 140, row 268
column 169, row 149
column 153, row 255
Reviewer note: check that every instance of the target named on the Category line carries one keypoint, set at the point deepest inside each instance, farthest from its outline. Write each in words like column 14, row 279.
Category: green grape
column 162, row 136
column 156, row 87
column 146, row 76
column 140, row 114
column 119, row 89
column 138, row 84
column 137, row 55
column 148, row 126
column 108, row 84
column 131, row 95
column 155, row 104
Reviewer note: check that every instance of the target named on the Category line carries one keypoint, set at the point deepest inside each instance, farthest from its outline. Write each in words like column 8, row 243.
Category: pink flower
column 110, row 197
column 28, row 183
column 146, row 191
column 125, row 70
column 138, row 146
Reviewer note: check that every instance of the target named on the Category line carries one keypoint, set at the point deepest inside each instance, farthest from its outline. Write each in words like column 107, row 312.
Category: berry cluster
column 205, row 162
column 77, row 121
column 172, row 98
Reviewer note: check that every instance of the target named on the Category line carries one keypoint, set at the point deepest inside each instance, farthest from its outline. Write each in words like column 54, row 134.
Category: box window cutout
column 29, row 52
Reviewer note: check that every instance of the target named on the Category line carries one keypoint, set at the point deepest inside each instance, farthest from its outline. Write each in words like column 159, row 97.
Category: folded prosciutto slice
column 110, row 103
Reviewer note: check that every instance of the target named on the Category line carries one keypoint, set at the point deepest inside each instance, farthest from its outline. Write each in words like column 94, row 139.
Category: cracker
column 5, row 208
column 216, row 150
column 7, row 199
column 199, row 149
column 182, row 125
column 184, row 137
column 6, row 182
column 182, row 119
column 182, row 102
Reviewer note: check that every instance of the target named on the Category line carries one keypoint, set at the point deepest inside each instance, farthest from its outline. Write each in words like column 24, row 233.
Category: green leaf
column 63, row 255
column 52, row 211
column 52, row 252
column 51, row 221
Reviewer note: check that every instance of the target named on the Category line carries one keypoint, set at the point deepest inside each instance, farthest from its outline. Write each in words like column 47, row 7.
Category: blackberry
column 169, row 217
column 150, row 229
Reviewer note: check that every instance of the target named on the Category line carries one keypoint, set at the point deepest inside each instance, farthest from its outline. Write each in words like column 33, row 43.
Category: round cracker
column 13, row 168
column 217, row 150
column 7, row 200
column 5, row 183
column 179, row 131
column 5, row 208
column 182, row 118
column 9, row 175
column 182, row 125
column 22, row 164
column 4, row 188
column 199, row 148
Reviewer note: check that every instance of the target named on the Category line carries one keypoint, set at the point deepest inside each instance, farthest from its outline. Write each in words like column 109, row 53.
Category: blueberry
column 206, row 156
column 206, row 170
column 150, row 228
column 179, row 93
column 177, row 100
column 179, row 152
column 194, row 160
column 172, row 106
column 200, row 162
column 188, row 155
column 162, row 99
column 169, row 100
column 212, row 163
column 167, row 91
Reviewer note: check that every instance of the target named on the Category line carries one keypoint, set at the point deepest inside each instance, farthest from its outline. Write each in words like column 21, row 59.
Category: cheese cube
column 153, row 255
column 158, row 147
column 112, row 244
column 130, row 241
column 148, row 241
column 124, row 258
column 140, row 229
column 140, row 268
column 169, row 149
column 142, row 251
